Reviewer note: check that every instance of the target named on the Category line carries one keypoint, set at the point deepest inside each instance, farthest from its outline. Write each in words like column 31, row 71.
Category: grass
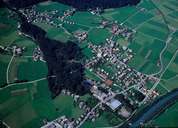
column 140, row 18
column 85, row 19
column 25, row 114
column 153, row 32
column 87, row 52
column 34, row 106
column 58, row 34
column 171, row 83
column 26, row 107
column 30, row 70
column 147, row 5
column 168, row 118
column 27, row 43
column 49, row 6
column 4, row 61
column 120, row 14
column 66, row 107
column 92, row 75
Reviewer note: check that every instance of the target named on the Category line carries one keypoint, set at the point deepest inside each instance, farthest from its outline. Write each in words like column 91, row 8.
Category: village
column 120, row 92
column 88, row 63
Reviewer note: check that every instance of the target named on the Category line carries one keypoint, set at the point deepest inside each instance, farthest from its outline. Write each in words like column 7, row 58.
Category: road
column 8, row 67
column 7, row 126
column 29, row 82
column 155, row 85
column 86, row 117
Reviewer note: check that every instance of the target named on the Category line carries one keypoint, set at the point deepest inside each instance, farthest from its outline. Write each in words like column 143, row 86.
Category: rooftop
column 114, row 104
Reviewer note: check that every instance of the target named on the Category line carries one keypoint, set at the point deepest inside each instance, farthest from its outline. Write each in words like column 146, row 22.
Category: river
column 153, row 110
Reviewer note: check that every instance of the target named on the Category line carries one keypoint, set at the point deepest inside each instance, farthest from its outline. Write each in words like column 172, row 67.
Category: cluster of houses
column 14, row 49
column 118, row 57
column 104, row 76
column 33, row 15
column 96, row 11
column 152, row 95
column 93, row 114
column 104, row 24
column 110, row 52
column 84, row 106
column 68, row 93
column 37, row 54
column 119, row 29
column 61, row 122
column 127, row 76
column 67, row 13
column 80, row 35
column 47, row 17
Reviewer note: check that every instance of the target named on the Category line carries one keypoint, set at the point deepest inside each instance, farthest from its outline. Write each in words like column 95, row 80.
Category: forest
column 65, row 70
column 78, row 4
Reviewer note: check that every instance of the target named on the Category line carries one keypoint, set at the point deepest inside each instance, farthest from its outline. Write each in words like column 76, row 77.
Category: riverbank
column 152, row 110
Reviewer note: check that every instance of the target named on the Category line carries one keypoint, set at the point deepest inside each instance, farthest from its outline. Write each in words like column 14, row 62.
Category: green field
column 98, row 40
column 168, row 118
